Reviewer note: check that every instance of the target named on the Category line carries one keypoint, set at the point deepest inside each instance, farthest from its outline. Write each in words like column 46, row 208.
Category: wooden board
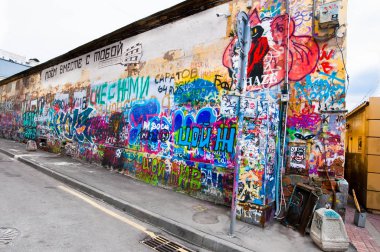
column 373, row 163
column 373, row 182
column 373, row 200
column 373, row 108
column 374, row 128
column 373, row 145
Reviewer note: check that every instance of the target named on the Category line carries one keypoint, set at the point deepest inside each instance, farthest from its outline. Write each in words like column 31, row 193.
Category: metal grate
column 162, row 244
column 7, row 235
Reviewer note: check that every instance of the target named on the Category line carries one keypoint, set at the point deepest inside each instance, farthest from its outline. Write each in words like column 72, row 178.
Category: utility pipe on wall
column 242, row 23
column 283, row 118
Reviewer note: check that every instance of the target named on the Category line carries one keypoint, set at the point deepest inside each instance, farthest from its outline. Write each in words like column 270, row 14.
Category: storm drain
column 162, row 244
column 7, row 235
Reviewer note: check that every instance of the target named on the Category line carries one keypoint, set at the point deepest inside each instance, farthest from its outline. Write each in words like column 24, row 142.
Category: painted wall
column 182, row 105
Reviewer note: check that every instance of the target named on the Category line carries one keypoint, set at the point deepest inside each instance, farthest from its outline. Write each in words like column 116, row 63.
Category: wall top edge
column 169, row 15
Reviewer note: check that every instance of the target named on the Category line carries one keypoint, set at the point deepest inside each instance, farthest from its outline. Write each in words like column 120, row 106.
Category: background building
column 11, row 63
column 363, row 152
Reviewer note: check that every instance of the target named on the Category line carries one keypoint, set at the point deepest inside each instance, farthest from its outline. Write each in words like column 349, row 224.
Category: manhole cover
column 7, row 235
column 162, row 244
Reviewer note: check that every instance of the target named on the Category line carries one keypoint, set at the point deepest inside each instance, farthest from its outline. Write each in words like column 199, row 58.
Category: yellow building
column 363, row 152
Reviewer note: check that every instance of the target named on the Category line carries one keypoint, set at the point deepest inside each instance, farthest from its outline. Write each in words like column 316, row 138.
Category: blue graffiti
column 331, row 89
column 271, row 11
column 194, row 132
column 198, row 91
column 29, row 124
column 72, row 126
column 198, row 133
column 142, row 111
column 147, row 126
column 225, row 139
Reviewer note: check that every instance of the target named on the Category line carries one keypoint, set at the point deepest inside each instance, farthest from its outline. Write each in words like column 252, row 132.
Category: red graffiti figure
column 259, row 48
column 302, row 58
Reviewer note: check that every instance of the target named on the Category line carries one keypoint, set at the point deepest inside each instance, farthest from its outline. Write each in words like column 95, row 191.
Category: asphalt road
column 45, row 215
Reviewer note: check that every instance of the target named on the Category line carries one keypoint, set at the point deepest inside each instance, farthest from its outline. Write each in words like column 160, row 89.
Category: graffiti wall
column 186, row 104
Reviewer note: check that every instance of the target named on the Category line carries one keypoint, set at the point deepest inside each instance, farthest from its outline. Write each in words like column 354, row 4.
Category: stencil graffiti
column 298, row 157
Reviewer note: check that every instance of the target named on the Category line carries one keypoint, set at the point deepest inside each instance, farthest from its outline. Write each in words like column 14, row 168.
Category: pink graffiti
column 303, row 51
column 306, row 119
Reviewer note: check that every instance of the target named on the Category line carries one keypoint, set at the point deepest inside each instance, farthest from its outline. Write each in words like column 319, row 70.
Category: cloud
column 364, row 81
column 363, row 85
column 363, row 51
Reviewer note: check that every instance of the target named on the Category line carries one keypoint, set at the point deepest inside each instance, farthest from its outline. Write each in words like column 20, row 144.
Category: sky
column 46, row 29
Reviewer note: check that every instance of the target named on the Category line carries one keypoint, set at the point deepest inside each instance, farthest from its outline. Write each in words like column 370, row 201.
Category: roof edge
column 355, row 110
column 14, row 62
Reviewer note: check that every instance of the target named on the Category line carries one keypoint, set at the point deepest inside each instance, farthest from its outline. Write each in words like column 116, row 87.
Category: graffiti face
column 298, row 154
column 256, row 32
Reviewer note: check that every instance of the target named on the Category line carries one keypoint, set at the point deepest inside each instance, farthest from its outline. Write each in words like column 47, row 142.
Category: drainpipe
column 286, row 84
column 245, row 44
column 283, row 118
column 235, row 190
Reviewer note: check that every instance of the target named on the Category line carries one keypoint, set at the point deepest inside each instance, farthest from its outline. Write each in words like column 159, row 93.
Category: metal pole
column 244, row 43
column 236, row 171
column 283, row 117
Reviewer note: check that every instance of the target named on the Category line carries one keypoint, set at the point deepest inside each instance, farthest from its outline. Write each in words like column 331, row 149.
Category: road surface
column 38, row 213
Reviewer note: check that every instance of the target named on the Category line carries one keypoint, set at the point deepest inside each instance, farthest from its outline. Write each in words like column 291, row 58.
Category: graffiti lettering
column 109, row 52
column 324, row 90
column 120, row 91
column 30, row 125
column 177, row 76
column 51, row 73
column 70, row 66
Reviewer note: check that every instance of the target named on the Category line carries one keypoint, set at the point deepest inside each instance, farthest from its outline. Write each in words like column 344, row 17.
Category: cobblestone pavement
column 364, row 239
column 375, row 220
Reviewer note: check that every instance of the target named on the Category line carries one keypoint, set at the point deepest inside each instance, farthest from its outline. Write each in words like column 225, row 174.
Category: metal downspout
column 242, row 17
column 282, row 123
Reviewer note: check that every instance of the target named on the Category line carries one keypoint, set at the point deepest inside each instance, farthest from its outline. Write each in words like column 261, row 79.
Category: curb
column 182, row 231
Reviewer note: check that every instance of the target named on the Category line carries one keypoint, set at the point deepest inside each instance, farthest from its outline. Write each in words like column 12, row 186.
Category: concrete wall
column 163, row 106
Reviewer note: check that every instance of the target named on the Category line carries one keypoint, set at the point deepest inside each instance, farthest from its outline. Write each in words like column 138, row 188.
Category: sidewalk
column 199, row 222
column 364, row 239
